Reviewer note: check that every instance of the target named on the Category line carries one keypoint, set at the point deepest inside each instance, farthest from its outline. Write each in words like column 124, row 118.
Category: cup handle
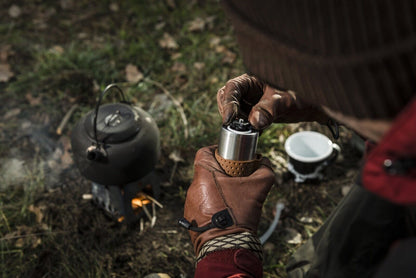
column 336, row 150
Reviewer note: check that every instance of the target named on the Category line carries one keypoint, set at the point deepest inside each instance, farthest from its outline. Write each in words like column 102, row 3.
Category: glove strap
column 243, row 240
column 221, row 220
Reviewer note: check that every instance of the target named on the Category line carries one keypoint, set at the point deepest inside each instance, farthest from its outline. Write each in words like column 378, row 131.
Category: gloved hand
column 236, row 202
column 247, row 97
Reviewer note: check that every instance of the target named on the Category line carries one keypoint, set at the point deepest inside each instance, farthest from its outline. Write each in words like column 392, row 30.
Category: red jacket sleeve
column 235, row 263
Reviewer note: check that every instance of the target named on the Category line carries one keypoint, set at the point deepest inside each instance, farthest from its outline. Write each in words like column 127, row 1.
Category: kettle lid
column 116, row 123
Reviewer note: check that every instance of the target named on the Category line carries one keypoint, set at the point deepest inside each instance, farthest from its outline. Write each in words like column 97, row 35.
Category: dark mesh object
column 354, row 56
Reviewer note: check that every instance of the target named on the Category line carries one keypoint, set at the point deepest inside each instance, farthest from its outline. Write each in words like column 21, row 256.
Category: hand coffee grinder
column 116, row 146
column 237, row 147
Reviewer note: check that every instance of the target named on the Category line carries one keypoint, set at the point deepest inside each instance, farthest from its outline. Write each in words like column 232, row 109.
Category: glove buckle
column 221, row 220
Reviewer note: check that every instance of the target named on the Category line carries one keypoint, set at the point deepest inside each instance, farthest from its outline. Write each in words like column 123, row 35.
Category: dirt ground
column 48, row 228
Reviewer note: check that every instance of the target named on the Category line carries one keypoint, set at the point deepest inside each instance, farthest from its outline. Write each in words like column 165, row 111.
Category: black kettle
column 115, row 144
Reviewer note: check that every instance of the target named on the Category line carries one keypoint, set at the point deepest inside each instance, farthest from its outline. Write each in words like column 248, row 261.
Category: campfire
column 130, row 203
column 116, row 146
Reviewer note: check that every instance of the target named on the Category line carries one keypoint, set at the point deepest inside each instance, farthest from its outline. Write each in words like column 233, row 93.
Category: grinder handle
column 236, row 168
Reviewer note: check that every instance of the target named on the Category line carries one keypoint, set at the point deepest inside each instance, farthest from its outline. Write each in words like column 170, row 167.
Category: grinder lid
column 116, row 123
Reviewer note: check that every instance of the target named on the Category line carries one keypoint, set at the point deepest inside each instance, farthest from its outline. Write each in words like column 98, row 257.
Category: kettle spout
column 96, row 153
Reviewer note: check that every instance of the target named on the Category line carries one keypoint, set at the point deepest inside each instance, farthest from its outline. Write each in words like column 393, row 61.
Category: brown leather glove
column 217, row 204
column 248, row 98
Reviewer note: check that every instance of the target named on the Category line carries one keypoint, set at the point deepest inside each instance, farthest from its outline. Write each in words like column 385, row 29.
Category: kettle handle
column 108, row 88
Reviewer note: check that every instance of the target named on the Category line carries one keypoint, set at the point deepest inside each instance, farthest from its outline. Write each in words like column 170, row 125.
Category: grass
column 86, row 47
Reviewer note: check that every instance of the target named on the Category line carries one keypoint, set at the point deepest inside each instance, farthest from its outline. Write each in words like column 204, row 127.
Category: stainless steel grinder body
column 238, row 141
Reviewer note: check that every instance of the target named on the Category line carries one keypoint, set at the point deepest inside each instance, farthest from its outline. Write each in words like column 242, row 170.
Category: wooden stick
column 153, row 222
column 147, row 213
column 66, row 119
column 153, row 200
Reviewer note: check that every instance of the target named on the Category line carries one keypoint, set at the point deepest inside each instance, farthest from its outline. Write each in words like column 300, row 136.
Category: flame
column 139, row 202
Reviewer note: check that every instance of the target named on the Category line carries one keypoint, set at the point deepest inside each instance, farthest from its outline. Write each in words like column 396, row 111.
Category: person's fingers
column 237, row 97
column 228, row 104
column 265, row 111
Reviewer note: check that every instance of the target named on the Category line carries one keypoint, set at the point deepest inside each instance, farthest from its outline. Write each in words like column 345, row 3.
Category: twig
column 147, row 213
column 153, row 222
column 175, row 102
column 66, row 119
column 141, row 225
column 153, row 200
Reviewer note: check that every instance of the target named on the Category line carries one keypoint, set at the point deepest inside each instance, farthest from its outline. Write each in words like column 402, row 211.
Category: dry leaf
column 209, row 21
column 229, row 57
column 5, row 73
column 133, row 74
column 33, row 101
column 15, row 11
column 175, row 156
column 57, row 49
column 66, row 4
column 176, row 56
column 4, row 53
column 168, row 42
column 178, row 67
column 171, row 4
column 199, row 65
column 11, row 113
column 220, row 49
column 38, row 211
column 114, row 7
column 160, row 26
column 214, row 42
column 66, row 158
column 198, row 24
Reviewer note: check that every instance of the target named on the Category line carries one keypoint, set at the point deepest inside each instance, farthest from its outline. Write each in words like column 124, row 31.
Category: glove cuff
column 244, row 240
column 236, row 168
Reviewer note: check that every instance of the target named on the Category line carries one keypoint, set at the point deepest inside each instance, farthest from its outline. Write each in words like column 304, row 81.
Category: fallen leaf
column 168, row 42
column 229, row 57
column 4, row 53
column 220, row 49
column 306, row 219
column 215, row 41
column 292, row 236
column 178, row 67
column 269, row 247
column 114, row 7
column 160, row 26
column 36, row 242
column 15, row 11
column 199, row 65
column 38, row 211
column 209, row 21
column 66, row 158
column 198, row 24
column 171, row 4
column 33, row 101
column 5, row 73
column 66, row 4
column 57, row 49
column 11, row 113
column 345, row 189
column 133, row 74
column 19, row 243
column 175, row 156
column 176, row 56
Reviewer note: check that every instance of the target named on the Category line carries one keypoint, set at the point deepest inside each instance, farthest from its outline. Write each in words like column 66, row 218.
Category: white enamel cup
column 309, row 153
